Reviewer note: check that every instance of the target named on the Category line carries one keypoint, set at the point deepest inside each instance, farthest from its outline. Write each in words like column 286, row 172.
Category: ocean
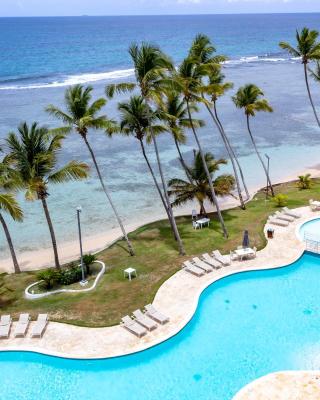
column 41, row 57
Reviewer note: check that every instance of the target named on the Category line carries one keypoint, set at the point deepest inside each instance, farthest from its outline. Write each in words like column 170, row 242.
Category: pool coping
column 124, row 343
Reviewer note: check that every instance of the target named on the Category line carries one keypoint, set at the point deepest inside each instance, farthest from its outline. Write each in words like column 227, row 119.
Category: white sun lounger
column 22, row 325
column 156, row 315
column 283, row 216
column 5, row 325
column 189, row 267
column 133, row 326
column 201, row 264
column 291, row 213
column 144, row 320
column 211, row 261
column 40, row 325
column 224, row 260
column 277, row 221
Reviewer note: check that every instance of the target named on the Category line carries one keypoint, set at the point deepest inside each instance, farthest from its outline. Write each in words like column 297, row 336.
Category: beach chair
column 314, row 205
column 155, row 314
column 195, row 225
column 144, row 320
column 277, row 221
column 133, row 326
column 5, row 325
column 189, row 267
column 22, row 325
column 291, row 213
column 201, row 264
column 40, row 325
column 284, row 217
column 211, row 261
column 224, row 260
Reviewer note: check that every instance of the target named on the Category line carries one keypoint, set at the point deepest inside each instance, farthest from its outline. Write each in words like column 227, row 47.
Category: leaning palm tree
column 199, row 189
column 82, row 116
column 150, row 66
column 308, row 49
column 9, row 205
column 249, row 99
column 33, row 153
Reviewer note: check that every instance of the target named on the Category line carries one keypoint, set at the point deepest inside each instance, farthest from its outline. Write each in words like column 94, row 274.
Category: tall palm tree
column 10, row 206
column 150, row 66
column 199, row 188
column 81, row 116
column 33, row 154
column 308, row 48
column 249, row 99
column 188, row 81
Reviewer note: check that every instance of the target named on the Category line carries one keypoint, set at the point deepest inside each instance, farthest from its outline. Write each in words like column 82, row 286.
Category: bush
column 88, row 259
column 304, row 182
column 280, row 200
column 69, row 275
column 49, row 277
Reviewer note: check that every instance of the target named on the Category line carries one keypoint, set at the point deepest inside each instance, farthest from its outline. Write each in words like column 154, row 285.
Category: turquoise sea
column 40, row 57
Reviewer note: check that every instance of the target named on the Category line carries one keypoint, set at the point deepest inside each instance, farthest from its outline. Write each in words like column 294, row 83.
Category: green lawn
column 156, row 260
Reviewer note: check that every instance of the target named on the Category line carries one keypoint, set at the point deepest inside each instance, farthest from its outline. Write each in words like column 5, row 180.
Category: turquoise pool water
column 246, row 326
column 311, row 227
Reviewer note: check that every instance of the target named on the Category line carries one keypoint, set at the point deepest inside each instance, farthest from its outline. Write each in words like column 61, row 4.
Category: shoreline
column 69, row 251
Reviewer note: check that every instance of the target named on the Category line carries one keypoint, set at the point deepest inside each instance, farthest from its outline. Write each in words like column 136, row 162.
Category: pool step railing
column 312, row 242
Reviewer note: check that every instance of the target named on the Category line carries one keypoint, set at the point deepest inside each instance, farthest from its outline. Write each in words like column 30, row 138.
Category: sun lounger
column 201, row 264
column 5, row 325
column 189, row 267
column 224, row 260
column 22, row 325
column 40, row 325
column 291, row 213
column 315, row 205
column 284, row 217
column 144, row 320
column 133, row 326
column 277, row 221
column 155, row 314
column 211, row 261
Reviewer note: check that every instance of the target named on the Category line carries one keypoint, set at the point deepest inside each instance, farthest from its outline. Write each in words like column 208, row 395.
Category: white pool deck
column 177, row 297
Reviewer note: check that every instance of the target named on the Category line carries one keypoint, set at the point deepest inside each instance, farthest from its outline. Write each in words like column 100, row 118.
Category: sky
column 141, row 7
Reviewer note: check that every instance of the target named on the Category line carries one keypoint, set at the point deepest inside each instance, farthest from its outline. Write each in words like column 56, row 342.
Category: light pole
column 83, row 281
column 268, row 168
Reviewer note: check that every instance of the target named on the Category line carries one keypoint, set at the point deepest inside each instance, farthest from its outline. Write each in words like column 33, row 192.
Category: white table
column 245, row 252
column 129, row 272
column 203, row 221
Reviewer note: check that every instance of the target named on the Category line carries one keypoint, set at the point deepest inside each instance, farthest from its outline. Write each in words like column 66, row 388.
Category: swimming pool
column 246, row 325
column 311, row 227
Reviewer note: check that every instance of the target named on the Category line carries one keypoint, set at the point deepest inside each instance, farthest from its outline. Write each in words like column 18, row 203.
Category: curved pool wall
column 246, row 326
column 311, row 227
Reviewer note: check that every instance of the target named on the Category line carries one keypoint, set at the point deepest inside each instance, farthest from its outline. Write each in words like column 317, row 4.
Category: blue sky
column 131, row 7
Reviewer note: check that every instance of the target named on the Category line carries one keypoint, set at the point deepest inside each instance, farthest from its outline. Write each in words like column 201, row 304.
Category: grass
column 156, row 260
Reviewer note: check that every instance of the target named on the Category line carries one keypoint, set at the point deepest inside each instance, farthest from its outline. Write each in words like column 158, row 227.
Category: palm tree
column 304, row 181
column 249, row 99
column 150, row 66
column 10, row 206
column 199, row 188
column 188, row 81
column 82, row 116
column 308, row 49
column 33, row 153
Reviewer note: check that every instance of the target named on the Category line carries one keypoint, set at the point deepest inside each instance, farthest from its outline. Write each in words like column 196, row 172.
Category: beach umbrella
column 246, row 241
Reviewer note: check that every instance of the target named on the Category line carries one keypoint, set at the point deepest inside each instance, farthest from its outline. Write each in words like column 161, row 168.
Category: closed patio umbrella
column 246, row 241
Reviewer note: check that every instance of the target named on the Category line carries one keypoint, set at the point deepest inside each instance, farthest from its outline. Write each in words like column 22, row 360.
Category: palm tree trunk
column 242, row 204
column 165, row 190
column 52, row 234
column 214, row 197
column 309, row 93
column 232, row 152
column 259, row 156
column 106, row 191
column 10, row 244
column 183, row 164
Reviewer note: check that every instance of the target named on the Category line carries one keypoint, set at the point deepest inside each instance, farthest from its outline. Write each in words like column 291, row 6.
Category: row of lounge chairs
column 206, row 264
column 284, row 217
column 22, row 326
column 142, row 322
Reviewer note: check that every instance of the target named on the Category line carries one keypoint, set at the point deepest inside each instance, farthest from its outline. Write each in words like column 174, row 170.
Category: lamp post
column 83, row 281
column 268, row 168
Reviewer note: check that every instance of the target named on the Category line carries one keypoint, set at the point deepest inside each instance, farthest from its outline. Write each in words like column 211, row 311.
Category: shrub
column 280, row 200
column 304, row 182
column 49, row 277
column 70, row 274
column 88, row 259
